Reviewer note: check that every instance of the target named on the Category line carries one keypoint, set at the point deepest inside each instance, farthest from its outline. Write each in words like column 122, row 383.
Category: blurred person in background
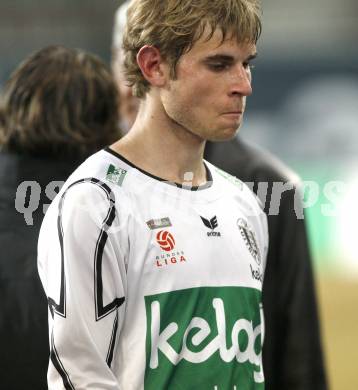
column 292, row 353
column 58, row 107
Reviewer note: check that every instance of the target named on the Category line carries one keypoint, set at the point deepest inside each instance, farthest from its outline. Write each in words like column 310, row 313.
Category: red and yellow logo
column 166, row 240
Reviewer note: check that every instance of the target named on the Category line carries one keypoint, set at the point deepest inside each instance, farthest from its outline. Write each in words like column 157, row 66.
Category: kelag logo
column 200, row 338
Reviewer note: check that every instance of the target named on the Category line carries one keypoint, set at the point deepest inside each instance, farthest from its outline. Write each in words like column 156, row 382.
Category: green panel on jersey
column 204, row 338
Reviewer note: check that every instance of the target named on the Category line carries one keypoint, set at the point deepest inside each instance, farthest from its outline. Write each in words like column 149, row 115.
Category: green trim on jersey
column 232, row 179
column 203, row 338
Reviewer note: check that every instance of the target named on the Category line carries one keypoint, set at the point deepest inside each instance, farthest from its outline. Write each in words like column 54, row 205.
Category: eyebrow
column 227, row 58
column 219, row 57
column 251, row 57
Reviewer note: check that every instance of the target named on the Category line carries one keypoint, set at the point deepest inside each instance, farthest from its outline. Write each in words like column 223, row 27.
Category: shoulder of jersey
column 234, row 184
column 103, row 167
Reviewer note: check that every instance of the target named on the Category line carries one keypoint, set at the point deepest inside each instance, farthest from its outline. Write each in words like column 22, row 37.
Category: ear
column 152, row 65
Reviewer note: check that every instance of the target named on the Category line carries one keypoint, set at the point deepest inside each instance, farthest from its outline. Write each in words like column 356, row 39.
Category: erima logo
column 211, row 224
column 160, row 340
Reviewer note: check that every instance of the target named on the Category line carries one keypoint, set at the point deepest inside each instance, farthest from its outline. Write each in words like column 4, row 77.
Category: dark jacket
column 292, row 354
column 24, row 345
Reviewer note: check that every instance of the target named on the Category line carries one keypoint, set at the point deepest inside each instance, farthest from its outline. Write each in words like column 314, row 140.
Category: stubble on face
column 208, row 97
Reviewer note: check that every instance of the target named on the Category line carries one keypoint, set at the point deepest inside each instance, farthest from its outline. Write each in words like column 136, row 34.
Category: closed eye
column 219, row 62
column 218, row 67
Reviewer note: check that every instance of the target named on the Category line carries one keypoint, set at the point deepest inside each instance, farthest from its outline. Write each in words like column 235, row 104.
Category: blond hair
column 173, row 26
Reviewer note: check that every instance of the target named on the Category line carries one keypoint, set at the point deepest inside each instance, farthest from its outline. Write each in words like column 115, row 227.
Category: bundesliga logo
column 165, row 240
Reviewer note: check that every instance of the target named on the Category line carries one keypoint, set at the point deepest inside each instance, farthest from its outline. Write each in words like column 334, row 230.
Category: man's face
column 208, row 96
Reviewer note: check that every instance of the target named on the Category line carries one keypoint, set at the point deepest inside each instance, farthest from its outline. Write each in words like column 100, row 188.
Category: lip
column 233, row 114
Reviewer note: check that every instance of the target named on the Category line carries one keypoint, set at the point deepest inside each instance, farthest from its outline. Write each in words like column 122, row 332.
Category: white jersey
column 152, row 285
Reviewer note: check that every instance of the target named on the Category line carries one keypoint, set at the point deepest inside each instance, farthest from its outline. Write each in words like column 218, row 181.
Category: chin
column 223, row 134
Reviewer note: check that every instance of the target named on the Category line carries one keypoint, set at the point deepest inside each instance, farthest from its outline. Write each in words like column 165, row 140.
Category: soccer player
column 153, row 259
column 292, row 353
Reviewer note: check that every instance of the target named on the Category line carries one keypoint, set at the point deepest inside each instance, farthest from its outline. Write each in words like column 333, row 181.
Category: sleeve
column 85, row 284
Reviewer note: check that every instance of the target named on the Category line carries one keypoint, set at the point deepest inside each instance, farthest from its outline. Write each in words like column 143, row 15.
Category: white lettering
column 201, row 335
column 334, row 192
column 160, row 340
column 28, row 199
column 51, row 190
column 305, row 197
column 278, row 188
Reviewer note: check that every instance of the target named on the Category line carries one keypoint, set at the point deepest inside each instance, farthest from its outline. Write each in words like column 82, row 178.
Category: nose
column 241, row 81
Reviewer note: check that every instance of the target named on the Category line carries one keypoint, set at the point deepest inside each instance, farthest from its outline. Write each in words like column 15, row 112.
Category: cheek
column 201, row 95
column 200, row 87
column 192, row 101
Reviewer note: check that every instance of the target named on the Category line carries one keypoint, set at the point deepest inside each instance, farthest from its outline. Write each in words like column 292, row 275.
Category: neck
column 162, row 147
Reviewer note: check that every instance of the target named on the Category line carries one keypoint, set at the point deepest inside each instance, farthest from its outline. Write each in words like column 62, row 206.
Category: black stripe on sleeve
column 59, row 366
column 101, row 310
column 113, row 342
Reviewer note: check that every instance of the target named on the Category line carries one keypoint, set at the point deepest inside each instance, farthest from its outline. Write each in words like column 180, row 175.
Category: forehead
column 208, row 45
